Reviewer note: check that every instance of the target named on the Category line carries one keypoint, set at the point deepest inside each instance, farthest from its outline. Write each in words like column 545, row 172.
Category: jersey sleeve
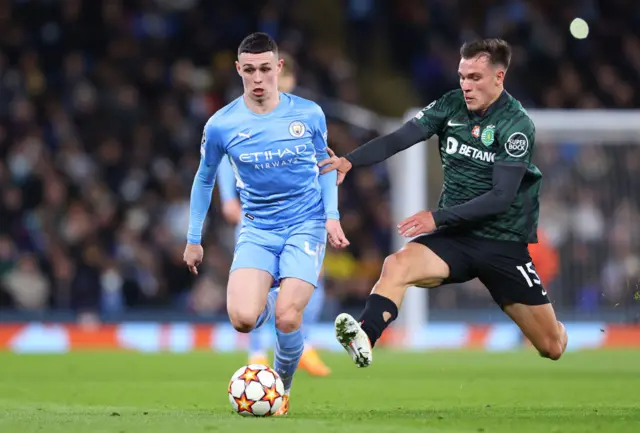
column 211, row 146
column 211, row 153
column 431, row 119
column 328, row 181
column 515, row 141
column 226, row 181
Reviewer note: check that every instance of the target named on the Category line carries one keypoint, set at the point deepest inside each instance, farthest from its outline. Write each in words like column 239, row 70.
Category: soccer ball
column 255, row 390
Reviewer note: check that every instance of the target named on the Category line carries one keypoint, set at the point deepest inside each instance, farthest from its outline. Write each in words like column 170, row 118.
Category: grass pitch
column 457, row 391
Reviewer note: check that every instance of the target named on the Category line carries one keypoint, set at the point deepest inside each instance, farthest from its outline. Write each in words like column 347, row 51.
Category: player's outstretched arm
column 376, row 150
column 427, row 122
column 422, row 126
column 201, row 190
column 384, row 147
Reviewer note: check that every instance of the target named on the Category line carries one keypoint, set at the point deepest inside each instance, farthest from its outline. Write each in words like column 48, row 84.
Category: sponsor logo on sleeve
column 517, row 145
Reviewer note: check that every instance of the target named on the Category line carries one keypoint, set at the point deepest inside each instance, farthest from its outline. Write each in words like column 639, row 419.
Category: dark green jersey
column 469, row 147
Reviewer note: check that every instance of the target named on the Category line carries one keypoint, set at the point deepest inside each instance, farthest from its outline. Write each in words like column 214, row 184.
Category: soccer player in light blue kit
column 273, row 141
column 232, row 212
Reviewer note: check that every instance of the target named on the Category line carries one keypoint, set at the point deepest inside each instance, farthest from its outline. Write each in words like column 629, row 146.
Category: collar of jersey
column 284, row 101
column 502, row 99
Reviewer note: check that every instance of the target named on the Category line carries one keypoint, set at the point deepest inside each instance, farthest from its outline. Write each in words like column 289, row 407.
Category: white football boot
column 354, row 340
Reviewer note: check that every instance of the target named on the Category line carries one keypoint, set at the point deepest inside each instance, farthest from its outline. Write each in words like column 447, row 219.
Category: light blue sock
column 289, row 348
column 256, row 342
column 267, row 313
column 313, row 309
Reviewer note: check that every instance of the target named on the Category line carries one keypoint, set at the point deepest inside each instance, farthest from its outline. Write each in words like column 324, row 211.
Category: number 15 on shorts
column 530, row 275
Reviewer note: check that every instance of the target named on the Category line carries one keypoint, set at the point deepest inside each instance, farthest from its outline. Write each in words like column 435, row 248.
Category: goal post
column 409, row 195
column 410, row 189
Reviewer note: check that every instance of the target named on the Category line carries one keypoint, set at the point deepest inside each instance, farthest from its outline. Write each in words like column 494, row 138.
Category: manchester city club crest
column 296, row 128
column 488, row 135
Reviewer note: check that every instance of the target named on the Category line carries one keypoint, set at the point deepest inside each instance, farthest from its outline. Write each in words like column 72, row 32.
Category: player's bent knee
column 400, row 268
column 551, row 349
column 243, row 321
column 288, row 319
column 395, row 267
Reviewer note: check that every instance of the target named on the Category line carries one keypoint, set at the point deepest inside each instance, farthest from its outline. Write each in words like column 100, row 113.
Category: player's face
column 481, row 82
column 259, row 74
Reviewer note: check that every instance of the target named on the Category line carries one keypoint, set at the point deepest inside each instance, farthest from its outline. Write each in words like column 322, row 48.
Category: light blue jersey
column 285, row 202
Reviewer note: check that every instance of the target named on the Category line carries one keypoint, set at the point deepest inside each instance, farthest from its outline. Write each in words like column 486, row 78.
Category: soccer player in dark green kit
column 487, row 214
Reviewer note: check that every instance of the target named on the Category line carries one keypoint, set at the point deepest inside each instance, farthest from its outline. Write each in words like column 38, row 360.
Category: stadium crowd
column 550, row 68
column 102, row 108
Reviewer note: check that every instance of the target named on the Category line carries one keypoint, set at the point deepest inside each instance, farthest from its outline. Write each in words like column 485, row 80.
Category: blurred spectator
column 549, row 67
column 26, row 285
column 545, row 258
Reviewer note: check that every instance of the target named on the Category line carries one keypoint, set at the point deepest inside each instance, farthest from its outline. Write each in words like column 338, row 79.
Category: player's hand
column 232, row 211
column 417, row 224
column 335, row 163
column 337, row 239
column 193, row 257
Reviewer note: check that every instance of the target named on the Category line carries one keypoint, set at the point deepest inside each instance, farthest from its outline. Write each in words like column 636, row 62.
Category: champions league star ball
column 255, row 390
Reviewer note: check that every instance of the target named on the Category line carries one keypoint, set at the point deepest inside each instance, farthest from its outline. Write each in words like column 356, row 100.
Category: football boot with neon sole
column 312, row 364
column 284, row 407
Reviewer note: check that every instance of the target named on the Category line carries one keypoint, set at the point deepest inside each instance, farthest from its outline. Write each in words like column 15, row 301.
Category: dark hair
column 498, row 51
column 257, row 43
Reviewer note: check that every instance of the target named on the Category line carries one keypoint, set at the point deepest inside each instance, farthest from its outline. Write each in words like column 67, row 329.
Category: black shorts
column 504, row 267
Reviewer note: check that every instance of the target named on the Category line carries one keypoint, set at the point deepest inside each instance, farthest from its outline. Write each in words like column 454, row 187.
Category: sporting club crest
column 488, row 135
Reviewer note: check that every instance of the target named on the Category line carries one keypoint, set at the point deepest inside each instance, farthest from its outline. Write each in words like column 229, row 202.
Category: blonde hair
column 290, row 66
